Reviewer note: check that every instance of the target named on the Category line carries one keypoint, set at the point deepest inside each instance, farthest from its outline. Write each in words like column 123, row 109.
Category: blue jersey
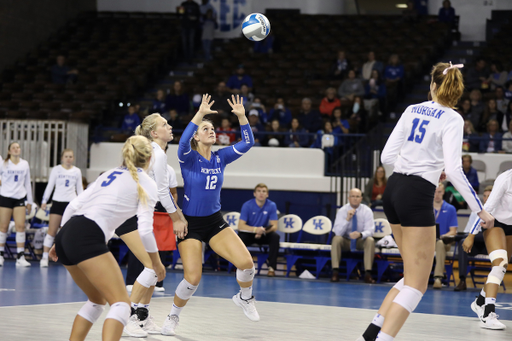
column 203, row 178
column 446, row 218
column 257, row 216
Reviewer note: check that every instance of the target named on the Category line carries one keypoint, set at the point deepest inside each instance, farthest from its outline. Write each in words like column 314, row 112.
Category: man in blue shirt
column 236, row 81
column 446, row 218
column 470, row 172
column 258, row 224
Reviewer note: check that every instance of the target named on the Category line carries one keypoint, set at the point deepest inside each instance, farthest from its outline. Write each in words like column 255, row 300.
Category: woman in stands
column 375, row 188
column 67, row 181
column 14, row 192
column 203, row 175
column 90, row 221
column 498, row 242
column 426, row 139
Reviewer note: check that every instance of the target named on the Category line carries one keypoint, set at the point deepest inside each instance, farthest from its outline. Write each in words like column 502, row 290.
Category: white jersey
column 173, row 182
column 499, row 203
column 16, row 180
column 112, row 199
column 426, row 139
column 67, row 183
column 158, row 171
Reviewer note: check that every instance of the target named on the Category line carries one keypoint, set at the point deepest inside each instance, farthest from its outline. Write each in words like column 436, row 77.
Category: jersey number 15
column 422, row 130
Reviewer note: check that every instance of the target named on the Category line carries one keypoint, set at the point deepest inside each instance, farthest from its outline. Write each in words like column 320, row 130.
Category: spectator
column 247, row 96
column 225, row 139
column 370, row 65
column 176, row 123
column 491, row 112
column 375, row 188
column 477, row 75
column 274, row 138
column 375, row 93
column 178, row 100
column 258, row 224
column 477, row 108
column 327, row 129
column 491, row 141
column 340, row 126
column 221, row 96
column 498, row 76
column 393, row 75
column 507, row 145
column 236, row 81
column 446, row 218
column 257, row 127
column 501, row 101
column 470, row 172
column 507, row 117
column 296, row 137
column 353, row 224
column 508, row 91
column 159, row 104
column 266, row 45
column 281, row 113
column 340, row 67
column 309, row 118
column 190, row 14
column 351, row 87
column 465, row 109
column 329, row 102
column 471, row 140
column 358, row 117
column 262, row 111
column 207, row 6
column 447, row 13
column 209, row 27
column 62, row 74
column 130, row 120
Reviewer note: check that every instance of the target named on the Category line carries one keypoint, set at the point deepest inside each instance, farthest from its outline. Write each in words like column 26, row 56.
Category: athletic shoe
column 149, row 326
column 271, row 272
column 247, row 306
column 170, row 324
column 437, row 283
column 159, row 289
column 129, row 288
column 491, row 322
column 22, row 262
column 43, row 263
column 479, row 310
column 133, row 328
column 1, row 260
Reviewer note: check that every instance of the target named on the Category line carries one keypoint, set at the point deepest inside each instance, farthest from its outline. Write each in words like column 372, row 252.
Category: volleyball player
column 67, row 181
column 203, row 175
column 498, row 242
column 14, row 192
column 426, row 139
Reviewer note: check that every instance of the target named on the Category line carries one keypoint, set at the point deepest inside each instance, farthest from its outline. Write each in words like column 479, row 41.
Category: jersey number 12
column 418, row 138
column 211, row 182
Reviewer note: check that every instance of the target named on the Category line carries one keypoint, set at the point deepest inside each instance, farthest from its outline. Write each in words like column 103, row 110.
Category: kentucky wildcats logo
column 288, row 223
column 379, row 228
column 231, row 220
column 318, row 224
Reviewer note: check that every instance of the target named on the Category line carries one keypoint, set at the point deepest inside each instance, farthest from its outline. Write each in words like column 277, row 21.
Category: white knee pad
column 3, row 237
column 409, row 298
column 496, row 275
column 245, row 275
column 399, row 285
column 147, row 278
column 91, row 311
column 21, row 237
column 496, row 254
column 119, row 311
column 185, row 290
column 48, row 241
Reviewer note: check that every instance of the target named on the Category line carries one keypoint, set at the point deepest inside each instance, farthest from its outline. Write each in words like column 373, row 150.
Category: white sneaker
column 159, row 289
column 247, row 306
column 1, row 260
column 129, row 288
column 22, row 262
column 150, row 327
column 491, row 322
column 479, row 310
column 170, row 324
column 133, row 328
column 43, row 263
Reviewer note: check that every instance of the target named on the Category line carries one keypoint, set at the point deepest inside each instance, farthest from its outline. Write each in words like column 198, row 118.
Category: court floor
column 40, row 304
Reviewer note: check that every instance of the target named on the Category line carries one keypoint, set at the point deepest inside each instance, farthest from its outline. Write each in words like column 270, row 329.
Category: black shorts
column 79, row 239
column 506, row 228
column 204, row 228
column 128, row 226
column 58, row 207
column 12, row 203
column 409, row 200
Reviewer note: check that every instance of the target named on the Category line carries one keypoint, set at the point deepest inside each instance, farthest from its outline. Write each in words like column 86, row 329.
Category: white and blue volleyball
column 256, row 27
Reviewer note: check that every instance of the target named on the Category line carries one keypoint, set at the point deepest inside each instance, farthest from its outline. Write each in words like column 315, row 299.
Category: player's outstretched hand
column 206, row 105
column 237, row 104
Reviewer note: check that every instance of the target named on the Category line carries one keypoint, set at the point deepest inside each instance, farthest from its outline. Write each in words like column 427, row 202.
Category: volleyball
column 256, row 27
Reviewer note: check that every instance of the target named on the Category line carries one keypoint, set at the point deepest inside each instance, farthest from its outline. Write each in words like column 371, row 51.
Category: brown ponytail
column 450, row 86
column 136, row 154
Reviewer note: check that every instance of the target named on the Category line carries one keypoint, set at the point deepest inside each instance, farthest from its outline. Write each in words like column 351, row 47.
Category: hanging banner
column 230, row 14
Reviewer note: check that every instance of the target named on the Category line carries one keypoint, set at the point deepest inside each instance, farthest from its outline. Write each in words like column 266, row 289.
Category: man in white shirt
column 353, row 225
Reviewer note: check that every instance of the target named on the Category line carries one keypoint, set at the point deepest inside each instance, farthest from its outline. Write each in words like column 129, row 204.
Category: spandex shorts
column 204, row 228
column 408, row 200
column 80, row 239
column 506, row 228
column 58, row 207
column 12, row 203
column 128, row 226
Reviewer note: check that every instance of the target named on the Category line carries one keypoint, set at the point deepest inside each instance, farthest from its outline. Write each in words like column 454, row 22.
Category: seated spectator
column 130, row 120
column 351, row 87
column 470, row 172
column 309, row 118
column 276, row 139
column 329, row 102
column 224, row 138
column 375, row 188
column 447, row 13
column 281, row 113
column 353, row 225
column 507, row 145
column 393, row 76
column 266, row 45
column 176, row 123
column 491, row 141
column 327, row 129
column 471, row 140
column 477, row 75
column 498, row 76
column 63, row 74
column 464, row 109
column 221, row 96
column 339, row 123
column 159, row 102
column 508, row 91
column 370, row 65
column 501, row 101
column 358, row 117
column 296, row 136
column 375, row 92
column 258, row 225
column 262, row 111
column 446, row 218
column 507, row 118
column 178, row 100
column 257, row 127
column 340, row 67
column 236, row 81
column 491, row 112
column 247, row 97
column 477, row 108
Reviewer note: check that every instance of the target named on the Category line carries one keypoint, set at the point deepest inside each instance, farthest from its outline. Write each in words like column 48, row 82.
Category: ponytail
column 450, row 84
column 136, row 154
column 147, row 126
column 193, row 143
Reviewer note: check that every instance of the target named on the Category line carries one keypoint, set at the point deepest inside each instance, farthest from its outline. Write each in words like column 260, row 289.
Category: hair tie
column 456, row 66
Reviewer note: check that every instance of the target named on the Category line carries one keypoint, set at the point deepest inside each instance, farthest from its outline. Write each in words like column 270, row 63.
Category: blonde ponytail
column 136, row 154
column 450, row 84
column 147, row 126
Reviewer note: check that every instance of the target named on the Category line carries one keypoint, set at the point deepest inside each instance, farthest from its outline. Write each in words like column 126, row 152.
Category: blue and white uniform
column 67, row 184
column 16, row 180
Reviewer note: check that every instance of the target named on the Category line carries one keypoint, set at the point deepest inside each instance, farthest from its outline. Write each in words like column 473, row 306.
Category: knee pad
column 245, row 275
column 21, row 237
column 119, row 311
column 496, row 275
column 91, row 311
column 147, row 278
column 3, row 237
column 48, row 241
column 185, row 290
column 496, row 254
column 409, row 298
column 399, row 285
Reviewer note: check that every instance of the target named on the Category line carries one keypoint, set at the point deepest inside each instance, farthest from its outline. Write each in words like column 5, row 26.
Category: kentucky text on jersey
column 15, row 172
column 426, row 111
column 211, row 171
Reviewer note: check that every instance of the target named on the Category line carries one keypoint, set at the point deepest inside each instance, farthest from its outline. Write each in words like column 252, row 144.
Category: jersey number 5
column 211, row 182
column 419, row 137
column 111, row 178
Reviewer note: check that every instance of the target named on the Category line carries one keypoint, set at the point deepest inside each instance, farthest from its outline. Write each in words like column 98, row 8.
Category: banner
column 230, row 14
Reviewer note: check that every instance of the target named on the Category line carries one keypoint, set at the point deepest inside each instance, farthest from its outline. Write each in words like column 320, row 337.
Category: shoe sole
column 168, row 333
column 238, row 304
column 485, row 326
column 132, row 335
column 475, row 310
